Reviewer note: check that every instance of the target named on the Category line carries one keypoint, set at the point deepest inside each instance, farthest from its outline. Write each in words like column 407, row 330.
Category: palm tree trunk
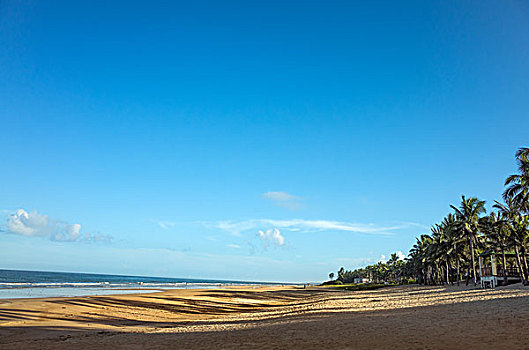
column 447, row 276
column 472, row 260
column 504, row 263
column 430, row 276
column 519, row 263
column 524, row 259
column 458, row 270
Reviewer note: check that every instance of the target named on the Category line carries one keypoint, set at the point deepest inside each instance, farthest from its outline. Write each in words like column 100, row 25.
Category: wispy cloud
column 271, row 232
column 301, row 225
column 33, row 224
column 354, row 262
column 166, row 225
column 233, row 227
column 234, row 246
column 283, row 199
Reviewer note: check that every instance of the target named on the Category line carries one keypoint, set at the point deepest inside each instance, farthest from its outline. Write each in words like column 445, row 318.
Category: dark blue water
column 33, row 284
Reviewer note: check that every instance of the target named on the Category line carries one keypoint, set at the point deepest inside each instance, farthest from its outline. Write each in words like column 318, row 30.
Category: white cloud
column 283, row 199
column 234, row 246
column 401, row 255
column 304, row 226
column 272, row 236
column 34, row 224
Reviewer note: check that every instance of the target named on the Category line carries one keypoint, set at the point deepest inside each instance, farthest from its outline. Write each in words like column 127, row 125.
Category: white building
column 361, row 280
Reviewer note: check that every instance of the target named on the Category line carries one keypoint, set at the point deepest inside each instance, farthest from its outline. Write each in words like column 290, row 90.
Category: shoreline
column 74, row 292
column 268, row 317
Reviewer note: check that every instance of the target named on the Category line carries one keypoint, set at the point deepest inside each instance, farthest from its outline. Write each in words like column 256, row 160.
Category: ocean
column 44, row 284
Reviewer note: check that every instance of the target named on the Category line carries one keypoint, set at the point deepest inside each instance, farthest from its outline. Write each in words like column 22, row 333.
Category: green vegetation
column 355, row 287
column 448, row 253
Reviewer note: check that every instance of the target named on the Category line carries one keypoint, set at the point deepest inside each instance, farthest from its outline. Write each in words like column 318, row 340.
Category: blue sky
column 272, row 141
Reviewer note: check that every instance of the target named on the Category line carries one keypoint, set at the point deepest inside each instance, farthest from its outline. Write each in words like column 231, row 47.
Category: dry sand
column 408, row 317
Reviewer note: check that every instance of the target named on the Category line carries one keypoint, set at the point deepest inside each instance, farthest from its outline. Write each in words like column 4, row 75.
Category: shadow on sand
column 457, row 325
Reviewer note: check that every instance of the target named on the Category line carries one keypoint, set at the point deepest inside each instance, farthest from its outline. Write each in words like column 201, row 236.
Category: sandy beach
column 408, row 317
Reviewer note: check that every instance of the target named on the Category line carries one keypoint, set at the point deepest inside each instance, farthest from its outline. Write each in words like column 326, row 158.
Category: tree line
column 448, row 253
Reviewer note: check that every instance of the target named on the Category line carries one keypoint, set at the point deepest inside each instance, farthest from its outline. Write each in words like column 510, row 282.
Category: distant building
column 493, row 273
column 361, row 280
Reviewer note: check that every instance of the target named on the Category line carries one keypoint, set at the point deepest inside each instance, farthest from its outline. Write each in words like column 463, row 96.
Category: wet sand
column 408, row 317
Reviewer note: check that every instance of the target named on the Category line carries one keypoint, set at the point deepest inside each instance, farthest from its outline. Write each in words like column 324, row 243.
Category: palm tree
column 447, row 239
column 520, row 235
column 517, row 231
column 418, row 258
column 454, row 240
column 437, row 252
column 468, row 215
column 393, row 260
column 381, row 270
column 518, row 184
column 497, row 233
column 341, row 273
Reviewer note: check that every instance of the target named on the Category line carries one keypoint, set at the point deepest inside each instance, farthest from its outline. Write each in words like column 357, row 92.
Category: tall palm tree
column 392, row 262
column 497, row 234
column 419, row 258
column 517, row 231
column 520, row 237
column 518, row 184
column 341, row 272
column 468, row 215
column 438, row 251
column 454, row 240
column 382, row 271
column 393, row 259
